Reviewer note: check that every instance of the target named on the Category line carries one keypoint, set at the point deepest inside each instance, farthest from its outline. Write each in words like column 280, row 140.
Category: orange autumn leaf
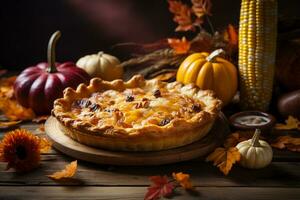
column 234, row 138
column 182, row 15
column 290, row 123
column 224, row 158
column 231, row 36
column 68, row 172
column 287, row 142
column 41, row 128
column 180, row 46
column 14, row 111
column 9, row 124
column 183, row 180
column 45, row 145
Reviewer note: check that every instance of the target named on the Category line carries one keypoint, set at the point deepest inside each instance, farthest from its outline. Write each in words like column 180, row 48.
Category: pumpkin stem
column 51, row 52
column 255, row 138
column 214, row 54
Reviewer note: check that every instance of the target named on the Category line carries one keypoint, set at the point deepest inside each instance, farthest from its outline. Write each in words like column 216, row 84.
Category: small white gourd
column 255, row 153
column 101, row 65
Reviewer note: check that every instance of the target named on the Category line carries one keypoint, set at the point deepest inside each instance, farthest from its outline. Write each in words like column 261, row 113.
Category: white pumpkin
column 101, row 65
column 255, row 153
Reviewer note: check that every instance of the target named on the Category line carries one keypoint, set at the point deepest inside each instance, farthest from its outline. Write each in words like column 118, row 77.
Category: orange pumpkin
column 208, row 71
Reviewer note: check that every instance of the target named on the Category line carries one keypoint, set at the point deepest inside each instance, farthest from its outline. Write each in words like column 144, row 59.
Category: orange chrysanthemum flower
column 183, row 180
column 21, row 150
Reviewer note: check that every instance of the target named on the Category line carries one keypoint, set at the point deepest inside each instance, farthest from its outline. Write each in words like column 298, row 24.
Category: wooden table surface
column 280, row 180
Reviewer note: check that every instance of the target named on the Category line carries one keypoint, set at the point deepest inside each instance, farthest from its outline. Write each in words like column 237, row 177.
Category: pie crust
column 137, row 115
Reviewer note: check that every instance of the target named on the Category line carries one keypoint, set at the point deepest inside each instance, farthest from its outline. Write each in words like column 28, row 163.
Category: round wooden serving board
column 101, row 156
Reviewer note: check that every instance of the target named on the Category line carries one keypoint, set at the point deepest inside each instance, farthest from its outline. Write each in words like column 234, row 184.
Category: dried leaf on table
column 68, row 172
column 224, row 158
column 9, row 124
column 45, row 145
column 183, row 180
column 290, row 123
column 182, row 15
column 180, row 46
column 160, row 187
column 40, row 119
column 287, row 142
column 14, row 111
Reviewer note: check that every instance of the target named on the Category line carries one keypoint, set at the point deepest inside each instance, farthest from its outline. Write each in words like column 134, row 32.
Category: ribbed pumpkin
column 208, row 71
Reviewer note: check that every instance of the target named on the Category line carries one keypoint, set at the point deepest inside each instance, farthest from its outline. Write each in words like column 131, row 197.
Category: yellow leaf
column 68, row 172
column 45, row 145
column 9, row 124
column 290, row 123
column 224, row 158
column 183, row 180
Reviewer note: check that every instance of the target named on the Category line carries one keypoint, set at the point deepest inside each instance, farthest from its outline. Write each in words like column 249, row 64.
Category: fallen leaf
column 45, row 145
column 68, row 172
column 290, row 123
column 183, row 180
column 14, row 111
column 160, row 187
column 239, row 136
column 287, row 142
column 180, row 46
column 182, row 15
column 40, row 119
column 9, row 124
column 224, row 158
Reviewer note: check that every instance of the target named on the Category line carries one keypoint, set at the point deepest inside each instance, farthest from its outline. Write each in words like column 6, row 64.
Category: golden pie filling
column 127, row 111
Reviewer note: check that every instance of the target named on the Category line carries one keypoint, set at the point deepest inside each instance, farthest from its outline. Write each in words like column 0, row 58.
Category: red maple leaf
column 160, row 187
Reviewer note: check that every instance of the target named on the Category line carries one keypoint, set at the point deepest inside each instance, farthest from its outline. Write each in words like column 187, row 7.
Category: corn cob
column 257, row 49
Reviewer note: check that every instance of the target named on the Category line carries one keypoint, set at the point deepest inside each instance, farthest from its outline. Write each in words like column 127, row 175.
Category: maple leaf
column 160, row 187
column 182, row 15
column 68, row 172
column 9, row 124
column 290, row 123
column 6, row 87
column 180, row 46
column 231, row 36
column 201, row 7
column 288, row 142
column 224, row 158
column 183, row 180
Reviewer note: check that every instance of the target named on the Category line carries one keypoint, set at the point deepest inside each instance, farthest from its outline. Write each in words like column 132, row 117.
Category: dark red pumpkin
column 38, row 86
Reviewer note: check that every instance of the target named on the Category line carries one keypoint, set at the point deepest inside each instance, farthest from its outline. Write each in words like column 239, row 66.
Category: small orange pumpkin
column 208, row 71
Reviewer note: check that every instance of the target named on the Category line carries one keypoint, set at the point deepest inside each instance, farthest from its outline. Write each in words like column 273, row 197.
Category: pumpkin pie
column 137, row 115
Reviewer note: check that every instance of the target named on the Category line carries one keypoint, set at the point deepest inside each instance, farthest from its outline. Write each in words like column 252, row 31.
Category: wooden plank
column 137, row 193
column 278, row 174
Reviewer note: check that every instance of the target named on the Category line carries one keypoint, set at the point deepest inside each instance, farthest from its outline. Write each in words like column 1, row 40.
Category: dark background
column 88, row 26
